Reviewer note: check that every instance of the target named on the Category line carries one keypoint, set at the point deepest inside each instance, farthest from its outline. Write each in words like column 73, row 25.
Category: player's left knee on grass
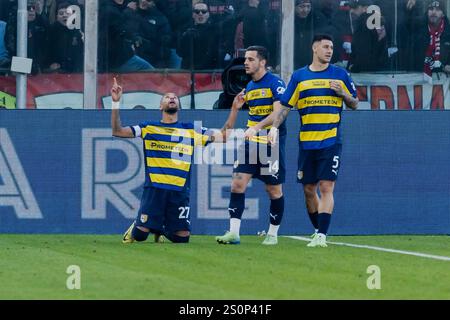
column 179, row 236
column 140, row 234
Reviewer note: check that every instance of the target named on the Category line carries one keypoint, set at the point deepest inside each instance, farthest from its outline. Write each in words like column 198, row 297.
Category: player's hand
column 272, row 137
column 336, row 86
column 55, row 66
column 447, row 69
column 239, row 100
column 250, row 133
column 132, row 5
column 410, row 4
column 116, row 91
column 392, row 51
column 347, row 46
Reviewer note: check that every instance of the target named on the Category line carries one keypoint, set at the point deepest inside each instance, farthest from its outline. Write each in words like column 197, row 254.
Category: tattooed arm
column 350, row 102
column 279, row 118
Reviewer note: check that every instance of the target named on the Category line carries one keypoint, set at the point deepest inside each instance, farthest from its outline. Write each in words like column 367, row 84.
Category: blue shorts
column 164, row 210
column 318, row 165
column 271, row 172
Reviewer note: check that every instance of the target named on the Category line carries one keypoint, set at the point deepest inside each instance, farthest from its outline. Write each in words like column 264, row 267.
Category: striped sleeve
column 278, row 89
column 350, row 85
column 291, row 95
column 203, row 137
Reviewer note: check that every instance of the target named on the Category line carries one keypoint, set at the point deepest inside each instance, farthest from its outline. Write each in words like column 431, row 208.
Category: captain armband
column 137, row 131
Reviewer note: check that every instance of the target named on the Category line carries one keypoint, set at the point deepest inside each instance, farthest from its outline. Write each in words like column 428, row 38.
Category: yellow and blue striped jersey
column 319, row 106
column 260, row 97
column 168, row 152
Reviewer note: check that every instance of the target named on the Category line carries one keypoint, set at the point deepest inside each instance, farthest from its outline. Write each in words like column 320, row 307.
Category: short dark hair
column 320, row 37
column 261, row 51
column 63, row 5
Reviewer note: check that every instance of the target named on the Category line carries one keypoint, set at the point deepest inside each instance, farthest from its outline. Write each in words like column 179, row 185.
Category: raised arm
column 222, row 135
column 117, row 129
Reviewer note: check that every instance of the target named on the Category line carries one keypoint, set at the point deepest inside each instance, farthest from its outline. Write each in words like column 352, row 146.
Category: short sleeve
column 139, row 130
column 278, row 89
column 202, row 137
column 350, row 85
column 291, row 95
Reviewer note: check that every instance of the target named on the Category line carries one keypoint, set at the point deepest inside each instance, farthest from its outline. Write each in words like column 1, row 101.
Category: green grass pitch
column 35, row 267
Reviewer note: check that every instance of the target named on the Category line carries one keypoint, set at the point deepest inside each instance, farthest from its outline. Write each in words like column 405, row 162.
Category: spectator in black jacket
column 369, row 47
column 37, row 36
column 151, row 33
column 198, row 45
column 346, row 23
column 65, row 45
column 308, row 22
column 400, row 36
column 254, row 28
column 179, row 13
column 116, row 51
column 223, row 16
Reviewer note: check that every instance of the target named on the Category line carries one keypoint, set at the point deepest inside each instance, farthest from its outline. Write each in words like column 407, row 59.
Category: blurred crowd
column 406, row 35
column 140, row 35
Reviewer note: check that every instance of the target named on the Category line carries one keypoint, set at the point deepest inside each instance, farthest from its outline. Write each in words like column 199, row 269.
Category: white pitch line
column 411, row 253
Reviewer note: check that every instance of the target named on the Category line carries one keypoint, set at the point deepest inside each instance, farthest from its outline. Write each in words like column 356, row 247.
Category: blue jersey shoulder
column 332, row 71
column 179, row 125
column 300, row 73
column 186, row 125
column 269, row 80
column 339, row 72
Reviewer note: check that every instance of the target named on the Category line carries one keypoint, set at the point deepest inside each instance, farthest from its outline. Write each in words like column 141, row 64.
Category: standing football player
column 319, row 92
column 261, row 93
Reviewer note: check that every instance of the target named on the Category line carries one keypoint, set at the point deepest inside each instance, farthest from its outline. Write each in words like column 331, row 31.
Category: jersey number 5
column 335, row 165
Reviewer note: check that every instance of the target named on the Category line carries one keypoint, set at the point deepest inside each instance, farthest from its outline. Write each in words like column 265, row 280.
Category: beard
column 171, row 111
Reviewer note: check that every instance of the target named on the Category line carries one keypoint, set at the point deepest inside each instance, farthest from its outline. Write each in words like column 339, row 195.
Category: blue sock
column 324, row 222
column 276, row 211
column 139, row 235
column 237, row 205
column 314, row 217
